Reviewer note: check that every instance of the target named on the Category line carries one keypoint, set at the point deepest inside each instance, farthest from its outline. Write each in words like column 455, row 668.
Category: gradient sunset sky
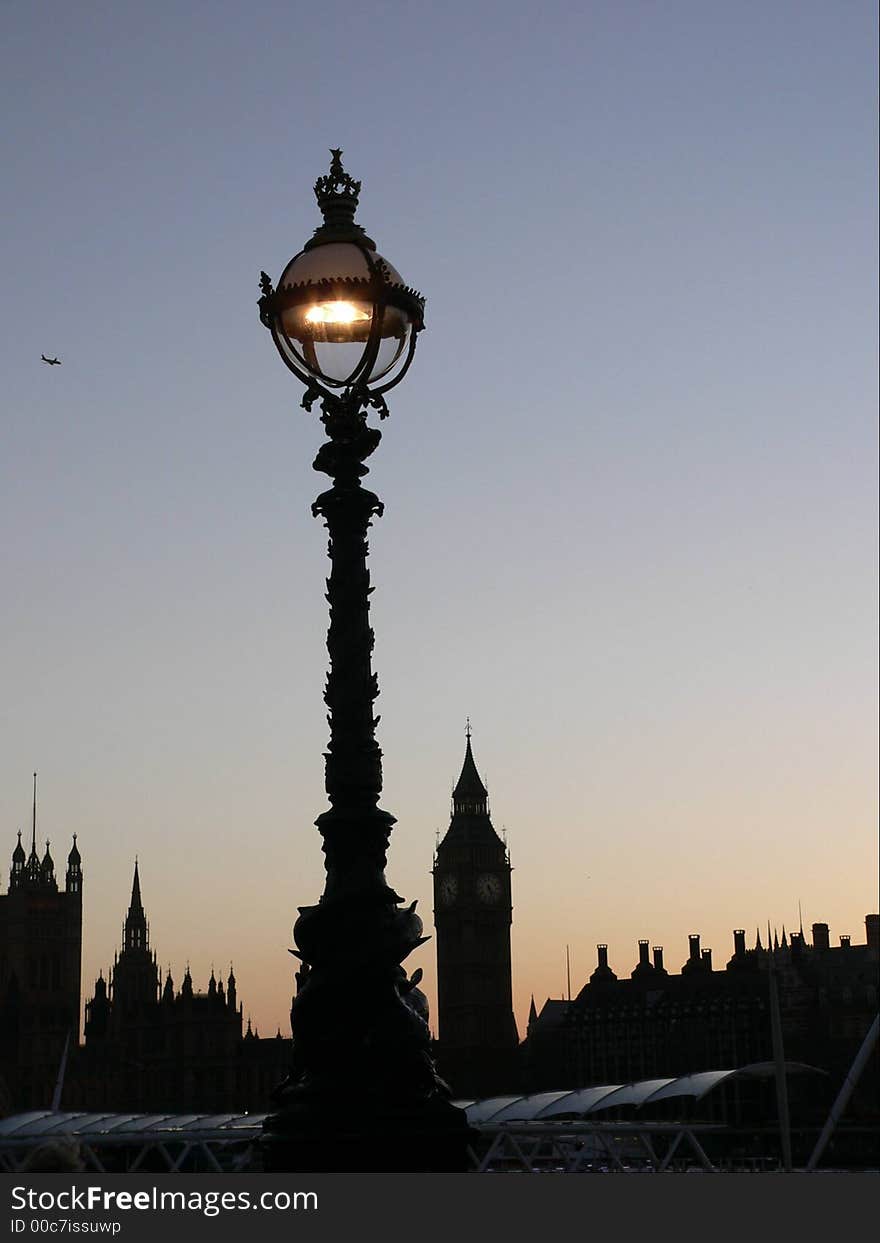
column 630, row 523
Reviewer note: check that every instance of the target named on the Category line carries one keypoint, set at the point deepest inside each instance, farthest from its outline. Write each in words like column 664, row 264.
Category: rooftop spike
column 135, row 929
column 136, row 904
column 469, row 787
column 471, row 821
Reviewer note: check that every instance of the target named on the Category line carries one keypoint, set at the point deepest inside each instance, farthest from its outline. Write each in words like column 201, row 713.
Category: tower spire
column 135, row 930
column 16, row 876
column 73, row 880
column 136, row 905
column 469, row 794
column 33, row 869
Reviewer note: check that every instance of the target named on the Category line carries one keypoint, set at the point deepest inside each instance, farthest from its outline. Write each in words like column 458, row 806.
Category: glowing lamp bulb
column 336, row 313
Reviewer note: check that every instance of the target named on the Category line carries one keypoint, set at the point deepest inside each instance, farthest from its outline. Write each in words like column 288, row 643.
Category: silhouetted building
column 40, row 965
column 476, row 1049
column 149, row 1047
column 656, row 1024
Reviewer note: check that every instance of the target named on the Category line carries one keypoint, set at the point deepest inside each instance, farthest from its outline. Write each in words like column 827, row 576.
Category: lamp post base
column 363, row 1093
column 347, row 1135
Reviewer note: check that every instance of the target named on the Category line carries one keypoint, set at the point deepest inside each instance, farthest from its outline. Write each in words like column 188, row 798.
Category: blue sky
column 630, row 492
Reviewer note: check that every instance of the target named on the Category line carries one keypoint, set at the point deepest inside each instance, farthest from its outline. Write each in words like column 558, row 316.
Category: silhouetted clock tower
column 472, row 917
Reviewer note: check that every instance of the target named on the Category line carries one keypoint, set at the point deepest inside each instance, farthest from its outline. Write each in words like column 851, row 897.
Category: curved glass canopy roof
column 581, row 1103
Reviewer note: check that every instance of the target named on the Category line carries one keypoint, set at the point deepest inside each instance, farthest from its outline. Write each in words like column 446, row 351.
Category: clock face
column 488, row 888
column 448, row 889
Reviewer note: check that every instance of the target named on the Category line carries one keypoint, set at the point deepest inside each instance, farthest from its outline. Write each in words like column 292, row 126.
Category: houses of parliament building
column 148, row 1046
column 151, row 1045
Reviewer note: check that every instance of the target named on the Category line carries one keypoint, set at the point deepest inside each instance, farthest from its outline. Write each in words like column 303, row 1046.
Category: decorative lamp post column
column 362, row 1093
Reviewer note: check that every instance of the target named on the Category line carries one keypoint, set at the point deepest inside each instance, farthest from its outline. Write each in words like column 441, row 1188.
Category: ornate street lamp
column 362, row 1093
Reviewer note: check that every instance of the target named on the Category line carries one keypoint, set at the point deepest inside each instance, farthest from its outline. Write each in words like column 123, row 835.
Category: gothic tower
column 136, row 977
column 472, row 918
column 40, row 966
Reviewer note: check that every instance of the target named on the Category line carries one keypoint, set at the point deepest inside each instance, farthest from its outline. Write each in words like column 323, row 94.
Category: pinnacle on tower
column 470, row 821
column 47, row 870
column 136, row 905
column 34, row 829
column 135, row 929
column 469, row 795
column 33, row 863
column 73, row 880
column 19, row 859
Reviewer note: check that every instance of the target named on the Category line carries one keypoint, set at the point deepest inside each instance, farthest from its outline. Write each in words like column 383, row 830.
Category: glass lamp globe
column 341, row 316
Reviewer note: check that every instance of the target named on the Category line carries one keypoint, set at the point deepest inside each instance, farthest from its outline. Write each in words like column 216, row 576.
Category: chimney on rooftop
column 694, row 943
column 844, row 943
column 739, row 941
column 643, row 968
column 658, row 957
column 872, row 933
column 820, row 937
column 603, row 973
column 706, row 959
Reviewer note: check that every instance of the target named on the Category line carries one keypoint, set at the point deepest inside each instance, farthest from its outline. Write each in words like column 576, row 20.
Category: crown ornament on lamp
column 337, row 193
